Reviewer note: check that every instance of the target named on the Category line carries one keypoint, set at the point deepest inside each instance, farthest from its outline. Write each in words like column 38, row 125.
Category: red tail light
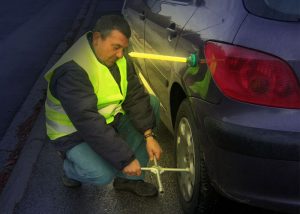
column 251, row 76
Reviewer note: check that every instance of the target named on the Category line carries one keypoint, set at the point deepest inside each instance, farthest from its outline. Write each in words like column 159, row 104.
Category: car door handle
column 142, row 16
column 172, row 31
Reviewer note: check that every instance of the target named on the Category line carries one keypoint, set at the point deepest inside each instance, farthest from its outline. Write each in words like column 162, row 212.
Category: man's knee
column 103, row 180
column 100, row 178
column 96, row 173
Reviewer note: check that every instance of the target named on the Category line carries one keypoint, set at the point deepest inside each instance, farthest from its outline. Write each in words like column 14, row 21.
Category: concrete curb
column 16, row 186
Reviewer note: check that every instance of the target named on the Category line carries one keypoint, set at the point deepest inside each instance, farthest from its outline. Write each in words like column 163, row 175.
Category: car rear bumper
column 256, row 142
column 258, row 166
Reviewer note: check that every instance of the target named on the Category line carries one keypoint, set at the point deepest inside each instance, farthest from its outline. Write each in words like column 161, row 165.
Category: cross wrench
column 157, row 170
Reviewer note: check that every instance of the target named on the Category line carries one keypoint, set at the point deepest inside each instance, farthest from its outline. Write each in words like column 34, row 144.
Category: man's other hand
column 153, row 148
column 133, row 169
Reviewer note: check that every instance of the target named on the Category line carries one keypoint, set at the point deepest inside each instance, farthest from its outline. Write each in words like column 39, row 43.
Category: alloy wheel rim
column 185, row 158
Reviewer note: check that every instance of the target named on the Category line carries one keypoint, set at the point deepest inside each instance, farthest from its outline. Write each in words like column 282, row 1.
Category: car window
column 283, row 10
column 136, row 5
column 177, row 12
column 155, row 5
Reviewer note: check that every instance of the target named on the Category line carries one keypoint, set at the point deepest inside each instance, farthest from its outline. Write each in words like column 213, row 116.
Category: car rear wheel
column 195, row 192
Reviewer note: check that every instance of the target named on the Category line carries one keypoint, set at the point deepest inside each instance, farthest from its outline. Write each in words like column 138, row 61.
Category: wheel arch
column 177, row 95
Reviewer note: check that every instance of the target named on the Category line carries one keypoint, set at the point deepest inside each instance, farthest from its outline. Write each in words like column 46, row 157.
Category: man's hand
column 133, row 169
column 153, row 148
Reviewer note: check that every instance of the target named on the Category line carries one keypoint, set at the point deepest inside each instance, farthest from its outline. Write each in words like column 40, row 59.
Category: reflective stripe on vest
column 53, row 106
column 111, row 109
column 55, row 125
column 108, row 92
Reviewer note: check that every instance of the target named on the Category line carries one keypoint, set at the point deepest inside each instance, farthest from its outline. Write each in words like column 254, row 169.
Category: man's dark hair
column 108, row 23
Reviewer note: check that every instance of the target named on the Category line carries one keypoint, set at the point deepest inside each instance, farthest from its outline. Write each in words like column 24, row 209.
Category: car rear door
column 163, row 24
column 134, row 12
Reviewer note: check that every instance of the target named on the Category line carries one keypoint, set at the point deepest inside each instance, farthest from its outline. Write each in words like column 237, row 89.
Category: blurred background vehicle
column 236, row 115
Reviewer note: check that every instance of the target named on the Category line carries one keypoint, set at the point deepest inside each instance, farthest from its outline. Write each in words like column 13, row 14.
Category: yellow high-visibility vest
column 110, row 98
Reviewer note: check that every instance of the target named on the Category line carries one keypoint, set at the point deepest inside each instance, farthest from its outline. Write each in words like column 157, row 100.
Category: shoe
column 138, row 187
column 69, row 182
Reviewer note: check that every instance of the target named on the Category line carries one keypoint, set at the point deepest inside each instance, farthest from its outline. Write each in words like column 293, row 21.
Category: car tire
column 195, row 191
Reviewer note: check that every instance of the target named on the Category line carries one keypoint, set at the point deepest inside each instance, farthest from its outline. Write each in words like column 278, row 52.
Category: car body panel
column 160, row 41
column 248, row 159
column 252, row 152
column 218, row 18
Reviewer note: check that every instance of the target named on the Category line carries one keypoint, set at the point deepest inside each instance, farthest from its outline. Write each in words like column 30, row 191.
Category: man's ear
column 96, row 36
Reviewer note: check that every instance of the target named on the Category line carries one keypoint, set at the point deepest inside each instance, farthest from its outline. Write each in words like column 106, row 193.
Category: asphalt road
column 46, row 193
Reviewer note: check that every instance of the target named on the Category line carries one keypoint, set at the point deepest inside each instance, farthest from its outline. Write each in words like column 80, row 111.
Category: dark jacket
column 70, row 84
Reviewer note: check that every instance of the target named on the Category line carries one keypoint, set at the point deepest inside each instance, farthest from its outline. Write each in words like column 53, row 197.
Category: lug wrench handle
column 157, row 170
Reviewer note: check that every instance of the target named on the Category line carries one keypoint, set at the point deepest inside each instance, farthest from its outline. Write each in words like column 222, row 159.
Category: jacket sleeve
column 137, row 102
column 71, row 85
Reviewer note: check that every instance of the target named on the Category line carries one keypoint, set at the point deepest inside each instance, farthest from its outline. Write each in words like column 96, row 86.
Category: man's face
column 111, row 48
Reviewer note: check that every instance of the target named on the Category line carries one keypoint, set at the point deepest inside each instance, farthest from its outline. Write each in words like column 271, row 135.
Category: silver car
column 236, row 115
